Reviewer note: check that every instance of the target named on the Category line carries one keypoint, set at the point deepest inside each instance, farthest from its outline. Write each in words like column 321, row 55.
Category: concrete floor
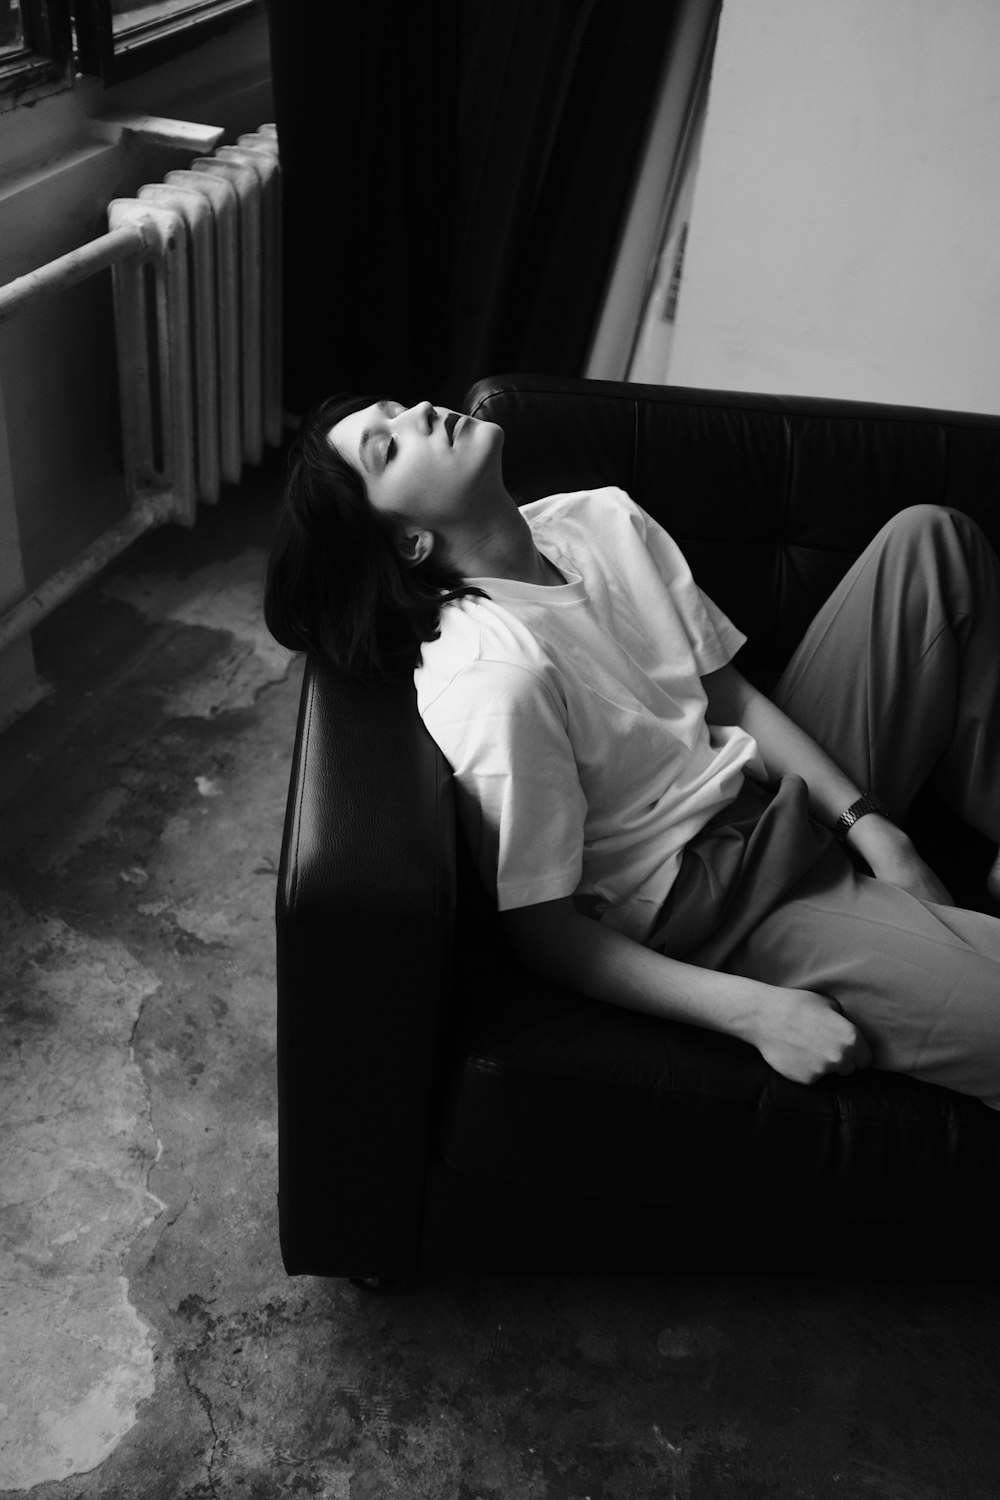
column 153, row 1346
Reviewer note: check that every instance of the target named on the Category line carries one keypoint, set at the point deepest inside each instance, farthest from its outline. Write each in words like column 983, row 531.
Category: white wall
column 845, row 236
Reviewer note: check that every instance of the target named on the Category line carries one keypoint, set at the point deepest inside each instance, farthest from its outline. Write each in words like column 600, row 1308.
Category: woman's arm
column 802, row 1035
column 785, row 748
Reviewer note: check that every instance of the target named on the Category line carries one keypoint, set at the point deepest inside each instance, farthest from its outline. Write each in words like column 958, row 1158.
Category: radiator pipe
column 151, row 510
column 69, row 269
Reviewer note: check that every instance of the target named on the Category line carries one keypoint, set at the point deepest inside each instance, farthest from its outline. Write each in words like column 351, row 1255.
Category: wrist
column 860, row 807
column 880, row 843
column 760, row 1016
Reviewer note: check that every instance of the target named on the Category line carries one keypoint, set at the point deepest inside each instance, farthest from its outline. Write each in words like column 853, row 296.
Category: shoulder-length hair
column 336, row 582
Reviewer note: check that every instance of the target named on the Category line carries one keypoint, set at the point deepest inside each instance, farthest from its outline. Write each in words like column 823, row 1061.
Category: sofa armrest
column 365, row 917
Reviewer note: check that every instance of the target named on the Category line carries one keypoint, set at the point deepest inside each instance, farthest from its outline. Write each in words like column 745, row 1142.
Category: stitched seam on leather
column 859, row 413
column 635, row 447
column 440, row 875
column 498, row 1070
column 786, row 502
column 944, row 461
column 303, row 757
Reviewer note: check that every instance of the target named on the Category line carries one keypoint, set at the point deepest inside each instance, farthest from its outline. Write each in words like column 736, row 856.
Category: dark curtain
column 366, row 109
column 455, row 176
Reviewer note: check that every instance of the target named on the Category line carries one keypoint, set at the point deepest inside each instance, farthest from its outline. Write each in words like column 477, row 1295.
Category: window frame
column 151, row 42
column 44, row 62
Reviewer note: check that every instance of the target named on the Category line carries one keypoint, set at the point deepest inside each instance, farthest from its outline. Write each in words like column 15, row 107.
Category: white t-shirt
column 574, row 718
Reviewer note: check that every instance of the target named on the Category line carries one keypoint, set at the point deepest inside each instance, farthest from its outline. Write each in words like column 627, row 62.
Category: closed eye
column 376, row 449
column 391, row 409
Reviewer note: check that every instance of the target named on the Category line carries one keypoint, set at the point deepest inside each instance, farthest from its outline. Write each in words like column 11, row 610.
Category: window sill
column 26, row 79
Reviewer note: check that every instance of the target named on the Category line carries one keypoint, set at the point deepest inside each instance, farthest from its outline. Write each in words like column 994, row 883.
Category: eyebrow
column 367, row 436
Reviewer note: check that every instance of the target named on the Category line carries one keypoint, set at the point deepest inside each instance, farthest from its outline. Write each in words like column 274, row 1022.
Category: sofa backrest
column 771, row 498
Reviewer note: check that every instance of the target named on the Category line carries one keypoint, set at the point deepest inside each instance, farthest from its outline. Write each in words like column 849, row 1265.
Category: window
column 35, row 47
column 11, row 28
column 119, row 38
column 114, row 38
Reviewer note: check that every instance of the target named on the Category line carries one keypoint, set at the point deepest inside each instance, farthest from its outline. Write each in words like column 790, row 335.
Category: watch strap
column 869, row 803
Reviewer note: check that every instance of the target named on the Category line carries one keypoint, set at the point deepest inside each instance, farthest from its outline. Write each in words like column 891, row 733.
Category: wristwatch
column 869, row 803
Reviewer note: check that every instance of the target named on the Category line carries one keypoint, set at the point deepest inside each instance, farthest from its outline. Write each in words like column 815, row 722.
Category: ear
column 414, row 545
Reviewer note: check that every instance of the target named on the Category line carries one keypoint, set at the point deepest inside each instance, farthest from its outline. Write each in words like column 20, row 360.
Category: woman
column 656, row 831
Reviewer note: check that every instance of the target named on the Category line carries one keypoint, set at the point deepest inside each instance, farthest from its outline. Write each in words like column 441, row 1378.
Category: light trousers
column 898, row 678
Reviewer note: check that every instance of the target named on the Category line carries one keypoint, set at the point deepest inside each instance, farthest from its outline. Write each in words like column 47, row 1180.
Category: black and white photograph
column 499, row 750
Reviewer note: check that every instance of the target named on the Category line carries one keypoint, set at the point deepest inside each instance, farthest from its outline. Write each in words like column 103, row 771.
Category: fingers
column 862, row 1053
column 806, row 1035
column 816, row 1038
column 859, row 1055
column 851, row 1051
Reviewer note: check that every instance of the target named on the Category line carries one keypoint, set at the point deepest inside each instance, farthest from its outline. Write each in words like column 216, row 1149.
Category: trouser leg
column 920, row 981
column 771, row 896
column 898, row 677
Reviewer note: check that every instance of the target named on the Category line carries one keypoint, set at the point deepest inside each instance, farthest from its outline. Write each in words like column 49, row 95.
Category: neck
column 499, row 544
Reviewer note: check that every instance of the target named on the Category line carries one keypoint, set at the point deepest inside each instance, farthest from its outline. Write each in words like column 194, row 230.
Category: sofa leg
column 385, row 1286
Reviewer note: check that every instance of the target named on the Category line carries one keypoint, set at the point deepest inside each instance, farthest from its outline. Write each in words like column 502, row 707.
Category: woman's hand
column 891, row 856
column 803, row 1036
column 919, row 879
column 787, row 749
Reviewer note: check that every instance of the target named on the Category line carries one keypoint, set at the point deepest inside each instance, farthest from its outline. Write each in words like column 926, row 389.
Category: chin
column 490, row 429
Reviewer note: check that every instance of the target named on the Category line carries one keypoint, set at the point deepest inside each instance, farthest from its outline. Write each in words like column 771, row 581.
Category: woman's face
column 422, row 464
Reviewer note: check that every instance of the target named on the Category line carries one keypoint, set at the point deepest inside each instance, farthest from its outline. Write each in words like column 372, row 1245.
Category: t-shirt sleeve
column 720, row 639
column 502, row 728
column 714, row 638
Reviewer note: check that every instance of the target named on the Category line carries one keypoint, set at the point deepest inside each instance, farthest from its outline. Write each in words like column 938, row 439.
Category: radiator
column 198, row 324
column 195, row 265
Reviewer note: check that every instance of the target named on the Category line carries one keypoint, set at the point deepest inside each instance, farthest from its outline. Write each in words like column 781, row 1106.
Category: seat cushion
column 583, row 1097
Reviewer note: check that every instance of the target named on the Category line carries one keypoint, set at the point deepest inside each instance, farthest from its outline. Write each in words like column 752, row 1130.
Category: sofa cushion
column 584, row 1097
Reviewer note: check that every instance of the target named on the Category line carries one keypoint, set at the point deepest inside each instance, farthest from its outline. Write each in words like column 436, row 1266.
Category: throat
column 508, row 552
column 535, row 568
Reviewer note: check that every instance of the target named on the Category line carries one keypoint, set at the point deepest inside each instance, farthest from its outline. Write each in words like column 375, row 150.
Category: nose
column 424, row 414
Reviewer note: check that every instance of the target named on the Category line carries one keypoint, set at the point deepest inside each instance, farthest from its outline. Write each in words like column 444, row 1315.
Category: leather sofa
column 439, row 1107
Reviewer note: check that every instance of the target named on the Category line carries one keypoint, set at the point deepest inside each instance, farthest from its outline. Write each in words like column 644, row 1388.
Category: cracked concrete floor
column 153, row 1346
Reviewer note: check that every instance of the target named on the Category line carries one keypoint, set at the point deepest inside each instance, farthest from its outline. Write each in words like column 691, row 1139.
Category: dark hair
column 335, row 580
